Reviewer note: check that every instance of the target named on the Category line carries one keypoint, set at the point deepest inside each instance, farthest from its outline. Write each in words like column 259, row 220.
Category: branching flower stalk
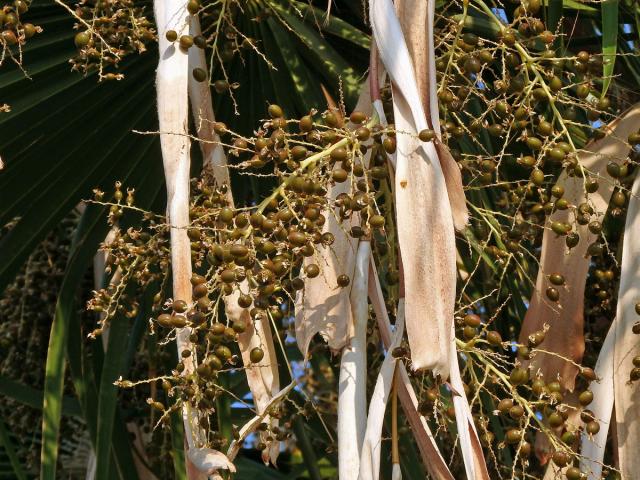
column 432, row 458
column 370, row 456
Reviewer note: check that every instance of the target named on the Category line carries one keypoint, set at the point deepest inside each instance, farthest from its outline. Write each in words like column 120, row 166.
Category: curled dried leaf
column 427, row 241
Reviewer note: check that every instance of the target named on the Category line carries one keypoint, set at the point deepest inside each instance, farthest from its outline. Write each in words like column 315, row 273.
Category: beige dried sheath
column 566, row 317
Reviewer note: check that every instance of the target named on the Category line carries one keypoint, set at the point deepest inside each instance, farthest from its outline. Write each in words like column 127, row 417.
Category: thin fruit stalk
column 262, row 377
column 173, row 111
column 626, row 345
column 543, row 446
column 396, row 472
column 431, row 456
column 565, row 318
column 352, row 387
column 370, row 458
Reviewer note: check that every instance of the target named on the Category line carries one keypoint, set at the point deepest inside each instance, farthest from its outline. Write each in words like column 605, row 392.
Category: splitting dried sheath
column 352, row 388
column 435, row 261
column 627, row 347
column 426, row 239
column 371, row 449
column 417, row 19
column 421, row 198
column 565, row 337
column 319, row 307
column 592, row 446
column 173, row 111
column 432, row 458
column 433, row 85
column 214, row 159
column 263, row 378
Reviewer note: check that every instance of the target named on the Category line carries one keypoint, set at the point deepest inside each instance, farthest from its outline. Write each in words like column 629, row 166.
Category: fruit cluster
column 253, row 252
column 14, row 29
column 108, row 31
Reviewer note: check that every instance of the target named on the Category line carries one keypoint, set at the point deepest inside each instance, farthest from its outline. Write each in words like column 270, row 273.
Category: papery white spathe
column 352, row 386
column 370, row 457
column 208, row 461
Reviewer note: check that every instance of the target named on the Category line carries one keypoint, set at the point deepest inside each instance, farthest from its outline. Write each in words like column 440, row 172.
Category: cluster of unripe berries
column 118, row 28
column 14, row 29
column 533, row 400
column 256, row 253
column 224, row 52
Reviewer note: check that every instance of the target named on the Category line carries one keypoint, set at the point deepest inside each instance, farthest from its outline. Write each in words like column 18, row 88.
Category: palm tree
column 305, row 148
